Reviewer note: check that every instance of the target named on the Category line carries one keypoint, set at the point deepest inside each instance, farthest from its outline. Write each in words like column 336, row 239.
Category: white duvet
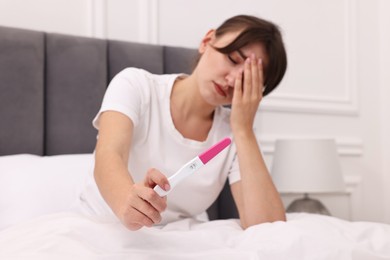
column 303, row 236
column 35, row 193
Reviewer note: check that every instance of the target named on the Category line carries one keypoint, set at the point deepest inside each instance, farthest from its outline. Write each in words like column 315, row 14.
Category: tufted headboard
column 52, row 85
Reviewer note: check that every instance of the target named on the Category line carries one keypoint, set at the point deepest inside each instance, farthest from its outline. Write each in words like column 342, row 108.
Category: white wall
column 337, row 83
column 64, row 16
column 384, row 21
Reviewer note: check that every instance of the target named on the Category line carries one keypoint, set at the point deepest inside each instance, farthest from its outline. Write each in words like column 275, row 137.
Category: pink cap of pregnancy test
column 214, row 150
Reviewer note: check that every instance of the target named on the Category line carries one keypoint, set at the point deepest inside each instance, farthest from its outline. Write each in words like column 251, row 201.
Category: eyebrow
column 242, row 54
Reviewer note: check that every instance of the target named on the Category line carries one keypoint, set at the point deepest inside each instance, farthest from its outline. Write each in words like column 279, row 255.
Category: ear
column 210, row 36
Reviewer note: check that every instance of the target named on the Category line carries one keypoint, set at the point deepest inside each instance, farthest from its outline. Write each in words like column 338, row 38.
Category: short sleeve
column 234, row 172
column 125, row 94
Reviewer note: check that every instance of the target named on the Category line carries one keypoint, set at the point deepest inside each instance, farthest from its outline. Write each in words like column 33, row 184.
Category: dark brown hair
column 254, row 29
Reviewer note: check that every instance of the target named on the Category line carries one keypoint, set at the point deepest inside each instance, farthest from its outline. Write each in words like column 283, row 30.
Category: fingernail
column 167, row 187
column 248, row 60
column 260, row 61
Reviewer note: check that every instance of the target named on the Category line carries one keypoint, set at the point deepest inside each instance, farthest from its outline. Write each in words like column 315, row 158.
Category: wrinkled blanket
column 303, row 236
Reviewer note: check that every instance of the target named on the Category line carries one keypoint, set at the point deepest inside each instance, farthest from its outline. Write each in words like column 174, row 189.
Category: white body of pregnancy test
column 193, row 165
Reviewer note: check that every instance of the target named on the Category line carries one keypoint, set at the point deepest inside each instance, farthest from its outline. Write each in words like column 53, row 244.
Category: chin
column 218, row 103
column 214, row 99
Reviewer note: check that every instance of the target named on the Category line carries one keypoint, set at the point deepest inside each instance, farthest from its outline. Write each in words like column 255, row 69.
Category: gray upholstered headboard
column 52, row 85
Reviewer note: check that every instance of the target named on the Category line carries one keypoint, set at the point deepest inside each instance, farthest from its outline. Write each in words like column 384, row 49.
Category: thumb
column 155, row 177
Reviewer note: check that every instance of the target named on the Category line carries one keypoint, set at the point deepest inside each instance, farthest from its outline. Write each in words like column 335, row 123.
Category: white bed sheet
column 32, row 185
column 303, row 236
column 36, row 194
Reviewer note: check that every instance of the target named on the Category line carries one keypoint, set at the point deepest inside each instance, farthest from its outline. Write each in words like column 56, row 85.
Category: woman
column 150, row 125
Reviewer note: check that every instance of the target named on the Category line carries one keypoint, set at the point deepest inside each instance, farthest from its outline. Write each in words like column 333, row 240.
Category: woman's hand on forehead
column 248, row 92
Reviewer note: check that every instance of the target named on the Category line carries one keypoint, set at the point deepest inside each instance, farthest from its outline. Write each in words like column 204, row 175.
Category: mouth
column 219, row 90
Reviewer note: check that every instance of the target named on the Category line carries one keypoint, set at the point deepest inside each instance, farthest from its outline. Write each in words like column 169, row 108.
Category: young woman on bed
column 150, row 125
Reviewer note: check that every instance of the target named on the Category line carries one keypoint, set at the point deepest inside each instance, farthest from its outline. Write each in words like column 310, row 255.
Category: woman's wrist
column 243, row 134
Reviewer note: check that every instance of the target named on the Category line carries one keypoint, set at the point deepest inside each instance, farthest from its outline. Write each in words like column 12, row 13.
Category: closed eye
column 232, row 60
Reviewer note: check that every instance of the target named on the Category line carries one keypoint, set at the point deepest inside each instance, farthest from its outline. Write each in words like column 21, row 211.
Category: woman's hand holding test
column 135, row 204
column 143, row 206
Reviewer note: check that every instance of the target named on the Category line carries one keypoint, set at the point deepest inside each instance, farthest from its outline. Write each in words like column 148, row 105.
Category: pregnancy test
column 194, row 165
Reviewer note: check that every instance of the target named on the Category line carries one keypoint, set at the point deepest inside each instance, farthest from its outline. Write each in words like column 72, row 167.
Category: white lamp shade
column 307, row 166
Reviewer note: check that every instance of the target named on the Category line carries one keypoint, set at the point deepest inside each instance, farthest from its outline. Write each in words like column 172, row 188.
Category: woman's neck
column 191, row 115
column 186, row 99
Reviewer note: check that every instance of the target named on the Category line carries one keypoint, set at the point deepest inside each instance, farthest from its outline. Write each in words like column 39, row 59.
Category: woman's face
column 216, row 72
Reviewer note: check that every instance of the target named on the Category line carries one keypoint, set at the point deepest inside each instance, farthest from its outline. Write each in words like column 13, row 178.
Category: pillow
column 32, row 185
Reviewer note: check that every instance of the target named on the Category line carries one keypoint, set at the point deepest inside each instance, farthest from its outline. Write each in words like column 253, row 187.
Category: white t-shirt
column 156, row 143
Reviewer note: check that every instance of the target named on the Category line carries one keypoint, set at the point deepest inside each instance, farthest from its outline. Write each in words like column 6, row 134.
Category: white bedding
column 303, row 236
column 51, row 231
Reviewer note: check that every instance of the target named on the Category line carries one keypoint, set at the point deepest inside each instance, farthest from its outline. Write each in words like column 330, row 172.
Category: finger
column 153, row 199
column 247, row 88
column 145, row 207
column 132, row 217
column 256, row 85
column 261, row 76
column 155, row 177
column 237, row 94
column 136, row 220
column 133, row 226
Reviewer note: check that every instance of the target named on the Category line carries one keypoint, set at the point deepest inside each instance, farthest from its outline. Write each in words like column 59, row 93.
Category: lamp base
column 308, row 205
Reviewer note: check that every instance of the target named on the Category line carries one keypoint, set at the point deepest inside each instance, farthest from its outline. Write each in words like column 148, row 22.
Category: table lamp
column 307, row 166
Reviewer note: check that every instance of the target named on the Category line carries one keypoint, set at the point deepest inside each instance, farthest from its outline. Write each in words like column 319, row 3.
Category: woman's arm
column 135, row 204
column 255, row 195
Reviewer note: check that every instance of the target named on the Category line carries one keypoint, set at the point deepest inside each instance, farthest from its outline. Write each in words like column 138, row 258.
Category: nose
column 231, row 77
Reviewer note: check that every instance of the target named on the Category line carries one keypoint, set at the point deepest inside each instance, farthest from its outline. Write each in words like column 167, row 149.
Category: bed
column 51, row 86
